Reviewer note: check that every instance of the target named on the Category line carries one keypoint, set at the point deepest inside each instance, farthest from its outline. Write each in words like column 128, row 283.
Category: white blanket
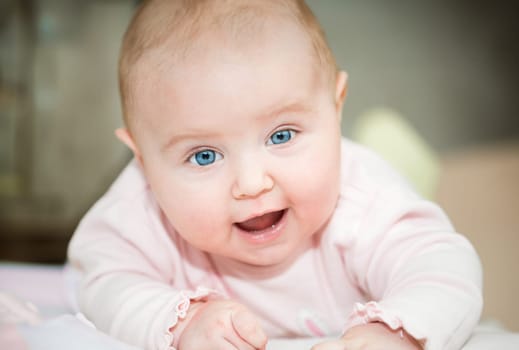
column 24, row 289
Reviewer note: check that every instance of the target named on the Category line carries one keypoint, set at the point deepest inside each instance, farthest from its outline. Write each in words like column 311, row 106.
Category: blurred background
column 450, row 68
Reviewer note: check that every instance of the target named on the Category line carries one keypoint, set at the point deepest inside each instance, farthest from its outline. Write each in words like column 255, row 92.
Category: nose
column 251, row 179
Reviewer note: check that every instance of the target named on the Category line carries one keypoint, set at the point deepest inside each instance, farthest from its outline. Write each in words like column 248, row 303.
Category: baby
column 244, row 215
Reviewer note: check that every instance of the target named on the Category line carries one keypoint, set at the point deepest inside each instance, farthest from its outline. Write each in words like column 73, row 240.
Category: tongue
column 260, row 223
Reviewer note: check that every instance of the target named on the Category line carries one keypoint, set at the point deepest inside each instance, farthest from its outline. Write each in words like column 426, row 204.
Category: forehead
column 242, row 31
column 245, row 36
column 279, row 51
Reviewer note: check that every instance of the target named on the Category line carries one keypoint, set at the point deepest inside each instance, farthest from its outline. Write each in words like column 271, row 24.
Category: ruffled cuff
column 372, row 312
column 185, row 298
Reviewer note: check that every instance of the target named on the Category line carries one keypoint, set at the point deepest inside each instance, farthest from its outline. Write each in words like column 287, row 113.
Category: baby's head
column 232, row 108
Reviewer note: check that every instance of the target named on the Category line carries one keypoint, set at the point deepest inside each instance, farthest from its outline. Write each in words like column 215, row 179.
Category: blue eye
column 205, row 157
column 281, row 136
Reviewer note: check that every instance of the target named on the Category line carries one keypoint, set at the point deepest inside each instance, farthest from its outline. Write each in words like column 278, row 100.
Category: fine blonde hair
column 159, row 22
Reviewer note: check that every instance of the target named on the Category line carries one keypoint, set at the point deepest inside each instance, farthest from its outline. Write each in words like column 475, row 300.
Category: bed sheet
column 60, row 327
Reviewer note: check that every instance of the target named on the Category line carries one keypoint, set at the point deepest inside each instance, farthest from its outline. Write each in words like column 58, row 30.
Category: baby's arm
column 219, row 324
column 419, row 274
column 126, row 298
column 132, row 284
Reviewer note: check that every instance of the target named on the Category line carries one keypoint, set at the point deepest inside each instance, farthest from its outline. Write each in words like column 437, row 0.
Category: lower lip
column 266, row 235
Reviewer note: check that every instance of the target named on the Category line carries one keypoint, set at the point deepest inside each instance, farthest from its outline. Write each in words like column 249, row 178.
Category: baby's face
column 241, row 147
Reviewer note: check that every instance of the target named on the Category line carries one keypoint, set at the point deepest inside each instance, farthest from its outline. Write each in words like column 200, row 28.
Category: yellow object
column 394, row 139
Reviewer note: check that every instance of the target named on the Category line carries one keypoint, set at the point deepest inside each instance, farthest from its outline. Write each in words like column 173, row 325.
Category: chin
column 275, row 256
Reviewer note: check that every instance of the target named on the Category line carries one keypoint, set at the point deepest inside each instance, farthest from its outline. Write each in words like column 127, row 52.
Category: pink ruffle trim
column 372, row 312
column 182, row 306
column 186, row 297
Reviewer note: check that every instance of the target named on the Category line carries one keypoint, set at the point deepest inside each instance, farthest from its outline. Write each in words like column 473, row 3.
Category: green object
column 394, row 139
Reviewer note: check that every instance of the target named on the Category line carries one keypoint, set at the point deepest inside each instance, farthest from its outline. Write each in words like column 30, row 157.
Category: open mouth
column 261, row 223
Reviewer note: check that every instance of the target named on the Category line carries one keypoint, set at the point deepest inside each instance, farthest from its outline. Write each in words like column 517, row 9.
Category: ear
column 341, row 89
column 125, row 137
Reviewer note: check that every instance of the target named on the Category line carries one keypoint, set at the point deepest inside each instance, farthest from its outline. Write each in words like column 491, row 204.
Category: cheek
column 194, row 208
column 314, row 179
column 323, row 184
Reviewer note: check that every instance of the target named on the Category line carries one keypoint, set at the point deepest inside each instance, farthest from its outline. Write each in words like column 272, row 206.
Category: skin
column 371, row 336
column 222, row 325
column 233, row 103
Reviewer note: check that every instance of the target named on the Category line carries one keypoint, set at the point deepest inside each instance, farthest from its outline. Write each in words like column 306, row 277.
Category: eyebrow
column 294, row 107
column 288, row 108
column 186, row 136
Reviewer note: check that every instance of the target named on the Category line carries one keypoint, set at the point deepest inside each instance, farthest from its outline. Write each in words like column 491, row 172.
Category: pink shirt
column 386, row 255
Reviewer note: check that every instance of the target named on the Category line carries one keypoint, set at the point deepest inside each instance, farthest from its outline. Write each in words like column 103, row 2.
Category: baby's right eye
column 205, row 157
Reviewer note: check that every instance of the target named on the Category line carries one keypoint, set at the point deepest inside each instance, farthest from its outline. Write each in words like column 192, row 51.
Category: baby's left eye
column 281, row 136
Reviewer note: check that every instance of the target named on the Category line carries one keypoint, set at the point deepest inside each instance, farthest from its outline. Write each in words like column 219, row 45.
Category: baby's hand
column 222, row 325
column 371, row 336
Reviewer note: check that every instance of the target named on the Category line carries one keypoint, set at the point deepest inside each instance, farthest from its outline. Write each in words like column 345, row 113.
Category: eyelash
column 291, row 134
column 218, row 156
column 193, row 157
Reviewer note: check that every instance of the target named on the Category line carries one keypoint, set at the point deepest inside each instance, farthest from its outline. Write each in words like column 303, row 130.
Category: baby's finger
column 248, row 328
column 237, row 343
